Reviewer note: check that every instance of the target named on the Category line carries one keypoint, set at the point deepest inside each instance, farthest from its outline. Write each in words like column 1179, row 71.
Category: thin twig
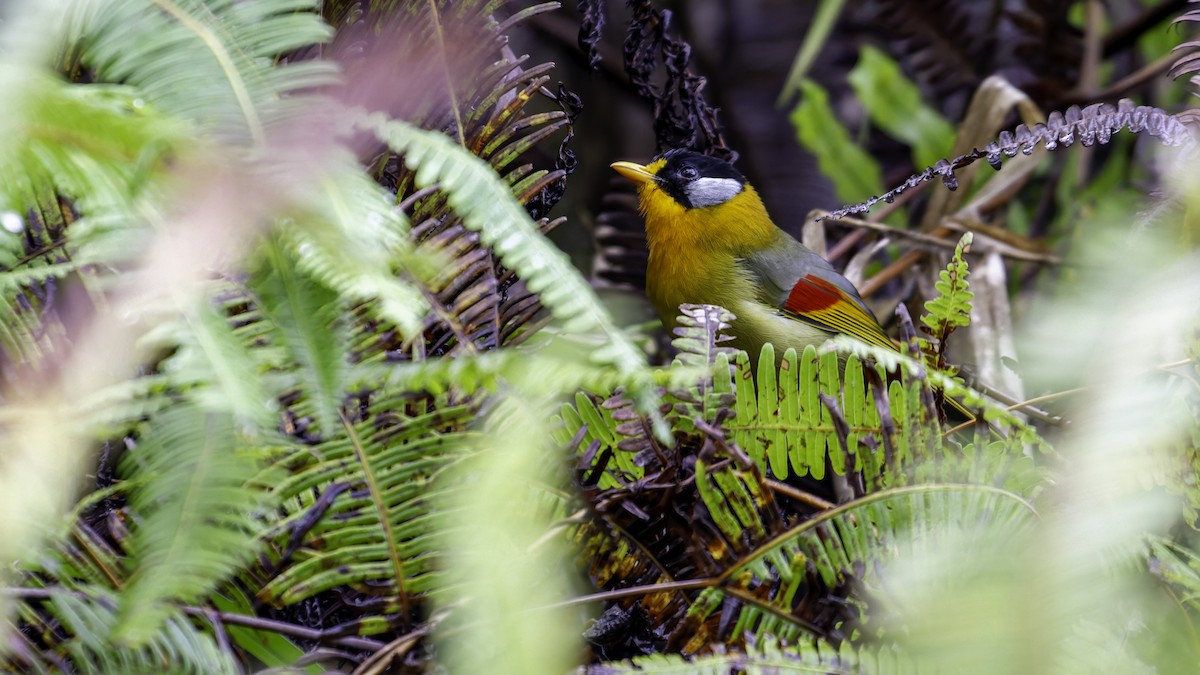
column 1170, row 369
column 764, row 605
column 1014, row 253
column 258, row 623
column 1026, row 404
column 218, row 626
column 635, row 591
column 1147, row 73
column 849, row 241
column 1028, row 249
column 841, row 483
column 383, row 659
column 270, row 625
column 555, row 528
column 1047, row 397
column 872, row 285
column 799, row 495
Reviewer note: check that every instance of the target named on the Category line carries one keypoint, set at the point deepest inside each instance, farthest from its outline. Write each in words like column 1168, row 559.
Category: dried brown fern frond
column 658, row 63
column 1188, row 61
column 1093, row 124
column 495, row 103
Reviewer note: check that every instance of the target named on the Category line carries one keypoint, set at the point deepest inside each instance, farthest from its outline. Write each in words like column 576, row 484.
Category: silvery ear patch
column 712, row 191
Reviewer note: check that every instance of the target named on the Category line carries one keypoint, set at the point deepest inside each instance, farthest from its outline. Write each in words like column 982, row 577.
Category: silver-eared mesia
column 712, row 242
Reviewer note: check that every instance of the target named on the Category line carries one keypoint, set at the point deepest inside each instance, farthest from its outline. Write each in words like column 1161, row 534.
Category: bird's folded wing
column 805, row 287
column 823, row 304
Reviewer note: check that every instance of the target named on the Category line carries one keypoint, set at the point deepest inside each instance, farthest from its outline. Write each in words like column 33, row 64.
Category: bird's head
column 690, row 198
column 688, row 178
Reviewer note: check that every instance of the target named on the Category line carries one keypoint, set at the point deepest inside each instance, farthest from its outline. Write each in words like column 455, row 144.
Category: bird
column 712, row 242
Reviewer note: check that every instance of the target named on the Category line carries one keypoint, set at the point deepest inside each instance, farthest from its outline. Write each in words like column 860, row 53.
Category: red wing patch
column 812, row 294
column 822, row 304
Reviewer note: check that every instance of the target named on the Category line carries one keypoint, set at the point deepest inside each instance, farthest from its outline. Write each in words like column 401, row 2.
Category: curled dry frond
column 682, row 118
column 658, row 65
column 591, row 26
column 1188, row 61
column 1091, row 125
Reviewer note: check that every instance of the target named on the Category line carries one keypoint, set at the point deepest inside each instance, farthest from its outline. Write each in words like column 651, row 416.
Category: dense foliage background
column 324, row 348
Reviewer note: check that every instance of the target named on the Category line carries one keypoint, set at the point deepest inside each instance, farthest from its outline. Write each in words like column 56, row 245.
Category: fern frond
column 768, row 656
column 478, row 303
column 85, row 621
column 307, row 319
column 333, row 534
column 700, row 333
column 501, row 562
column 23, row 338
column 736, row 504
column 1188, row 60
column 210, row 62
column 211, row 362
column 782, row 423
column 559, row 366
column 349, row 236
column 197, row 514
column 1178, row 566
column 615, row 439
column 486, row 208
column 698, row 339
column 851, row 542
column 1091, row 125
column 952, row 308
column 102, row 168
column 952, row 387
column 601, row 435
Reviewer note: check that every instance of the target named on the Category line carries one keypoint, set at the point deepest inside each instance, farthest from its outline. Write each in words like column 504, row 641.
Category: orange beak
column 633, row 172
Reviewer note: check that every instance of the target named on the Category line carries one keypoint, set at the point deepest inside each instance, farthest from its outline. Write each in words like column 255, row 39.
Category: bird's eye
column 689, row 173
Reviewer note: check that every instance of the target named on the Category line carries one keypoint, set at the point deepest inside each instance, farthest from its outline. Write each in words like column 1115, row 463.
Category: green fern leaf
column 717, row 501
column 307, row 318
column 102, row 168
column 213, row 363
column 953, row 387
column 196, row 514
column 348, row 546
column 952, row 308
column 349, row 236
column 781, row 422
column 488, row 208
column 211, row 62
column 852, row 541
column 89, row 621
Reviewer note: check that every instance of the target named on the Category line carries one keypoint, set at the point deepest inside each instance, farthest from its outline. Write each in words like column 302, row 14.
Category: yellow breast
column 692, row 255
column 694, row 258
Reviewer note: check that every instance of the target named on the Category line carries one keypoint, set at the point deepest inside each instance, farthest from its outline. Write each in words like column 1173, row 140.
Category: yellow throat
column 694, row 251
